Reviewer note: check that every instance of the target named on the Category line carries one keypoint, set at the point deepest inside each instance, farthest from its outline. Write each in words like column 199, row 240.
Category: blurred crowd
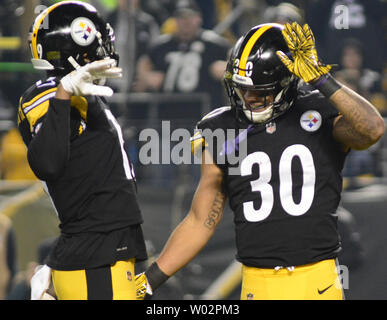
column 179, row 48
column 349, row 33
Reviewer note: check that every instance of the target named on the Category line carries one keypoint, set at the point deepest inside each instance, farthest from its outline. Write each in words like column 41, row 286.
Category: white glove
column 80, row 82
column 40, row 283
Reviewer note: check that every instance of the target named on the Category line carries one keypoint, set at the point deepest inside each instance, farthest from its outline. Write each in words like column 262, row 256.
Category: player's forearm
column 184, row 244
column 363, row 118
column 197, row 228
column 360, row 124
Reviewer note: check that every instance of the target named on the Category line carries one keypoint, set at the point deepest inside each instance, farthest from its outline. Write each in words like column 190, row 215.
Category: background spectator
column 8, row 258
column 352, row 62
column 283, row 13
column 134, row 30
column 187, row 61
column 333, row 21
column 21, row 287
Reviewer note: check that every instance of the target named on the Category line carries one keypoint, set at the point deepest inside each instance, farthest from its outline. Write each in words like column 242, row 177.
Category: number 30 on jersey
column 262, row 184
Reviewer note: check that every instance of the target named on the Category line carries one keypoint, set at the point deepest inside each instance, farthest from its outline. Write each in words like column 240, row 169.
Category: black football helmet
column 68, row 31
column 254, row 65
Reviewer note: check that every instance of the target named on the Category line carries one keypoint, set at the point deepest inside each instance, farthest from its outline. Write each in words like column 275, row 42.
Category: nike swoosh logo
column 322, row 291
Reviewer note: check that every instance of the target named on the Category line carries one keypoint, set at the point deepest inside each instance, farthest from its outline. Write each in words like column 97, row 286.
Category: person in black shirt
column 75, row 146
column 290, row 144
column 190, row 61
column 135, row 30
column 8, row 256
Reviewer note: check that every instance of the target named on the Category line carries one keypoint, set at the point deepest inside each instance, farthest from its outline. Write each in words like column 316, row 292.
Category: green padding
column 16, row 67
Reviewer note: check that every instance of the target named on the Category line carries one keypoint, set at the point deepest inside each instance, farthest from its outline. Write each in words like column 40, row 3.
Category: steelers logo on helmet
column 311, row 121
column 72, row 32
column 83, row 31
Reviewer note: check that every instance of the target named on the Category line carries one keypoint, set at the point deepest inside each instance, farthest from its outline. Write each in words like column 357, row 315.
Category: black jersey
column 286, row 188
column 186, row 64
column 77, row 150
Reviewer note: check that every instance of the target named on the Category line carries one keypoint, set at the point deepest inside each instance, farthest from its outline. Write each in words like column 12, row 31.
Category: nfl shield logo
column 250, row 296
column 129, row 275
column 271, row 127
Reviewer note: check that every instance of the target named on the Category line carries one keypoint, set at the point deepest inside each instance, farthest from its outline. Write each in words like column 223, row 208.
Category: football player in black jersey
column 190, row 60
column 75, row 146
column 288, row 185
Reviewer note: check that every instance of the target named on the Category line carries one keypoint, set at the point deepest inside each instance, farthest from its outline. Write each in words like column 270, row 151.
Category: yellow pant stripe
column 72, row 285
column 316, row 281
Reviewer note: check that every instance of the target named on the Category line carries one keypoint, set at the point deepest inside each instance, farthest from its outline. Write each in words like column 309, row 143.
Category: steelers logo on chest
column 311, row 121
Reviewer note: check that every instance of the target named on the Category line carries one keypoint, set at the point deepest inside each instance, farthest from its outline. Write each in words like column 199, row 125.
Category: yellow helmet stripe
column 249, row 46
column 38, row 22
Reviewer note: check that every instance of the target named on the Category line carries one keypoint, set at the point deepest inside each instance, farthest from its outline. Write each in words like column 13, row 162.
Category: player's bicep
column 345, row 133
column 209, row 200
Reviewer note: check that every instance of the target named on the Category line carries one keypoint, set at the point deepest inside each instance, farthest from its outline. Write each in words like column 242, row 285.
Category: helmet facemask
column 106, row 46
column 276, row 98
column 254, row 68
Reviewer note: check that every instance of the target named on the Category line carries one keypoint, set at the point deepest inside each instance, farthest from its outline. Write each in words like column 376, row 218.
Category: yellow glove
column 143, row 289
column 301, row 43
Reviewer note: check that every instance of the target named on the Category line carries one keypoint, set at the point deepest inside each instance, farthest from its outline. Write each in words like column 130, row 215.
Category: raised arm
column 359, row 124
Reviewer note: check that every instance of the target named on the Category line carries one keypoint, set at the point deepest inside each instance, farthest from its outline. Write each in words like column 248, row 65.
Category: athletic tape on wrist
column 327, row 85
column 155, row 276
